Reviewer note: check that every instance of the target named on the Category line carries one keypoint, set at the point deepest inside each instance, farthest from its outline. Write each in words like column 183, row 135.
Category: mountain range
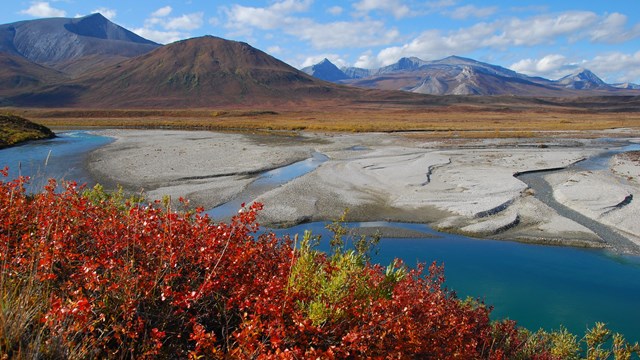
column 456, row 75
column 90, row 62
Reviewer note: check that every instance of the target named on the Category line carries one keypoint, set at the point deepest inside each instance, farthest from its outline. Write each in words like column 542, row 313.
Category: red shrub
column 138, row 281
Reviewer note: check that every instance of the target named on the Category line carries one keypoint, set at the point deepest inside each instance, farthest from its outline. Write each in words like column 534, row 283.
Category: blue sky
column 542, row 38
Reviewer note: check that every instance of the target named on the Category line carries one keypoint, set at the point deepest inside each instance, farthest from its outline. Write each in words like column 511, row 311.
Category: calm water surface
column 61, row 158
column 539, row 286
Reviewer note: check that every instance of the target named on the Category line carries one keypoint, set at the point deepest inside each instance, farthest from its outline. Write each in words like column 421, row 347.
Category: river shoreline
column 466, row 188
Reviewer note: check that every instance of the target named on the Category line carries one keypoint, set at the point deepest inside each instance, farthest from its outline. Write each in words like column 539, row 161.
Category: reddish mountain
column 199, row 72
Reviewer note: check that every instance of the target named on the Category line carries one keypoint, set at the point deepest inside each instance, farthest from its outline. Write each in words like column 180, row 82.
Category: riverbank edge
column 523, row 238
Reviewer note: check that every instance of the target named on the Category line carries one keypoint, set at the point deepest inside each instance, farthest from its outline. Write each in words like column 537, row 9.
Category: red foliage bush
column 126, row 280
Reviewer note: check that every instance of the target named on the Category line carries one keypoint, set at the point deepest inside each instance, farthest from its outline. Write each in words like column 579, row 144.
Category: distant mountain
column 582, row 79
column 452, row 76
column 92, row 63
column 627, row 85
column 404, row 64
column 456, row 75
column 205, row 71
column 356, row 73
column 72, row 45
column 326, row 70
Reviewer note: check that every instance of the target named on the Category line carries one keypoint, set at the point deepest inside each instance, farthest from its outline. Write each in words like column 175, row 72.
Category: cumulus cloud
column 267, row 18
column 281, row 16
column 611, row 67
column 434, row 44
column 366, row 61
column 159, row 36
column 612, row 29
column 471, row 11
column 335, row 10
column 274, row 50
column 395, row 7
column 543, row 28
column 552, row 66
column 567, row 27
column 162, row 12
column 616, row 67
column 43, row 9
column 440, row 4
column 344, row 34
column 185, row 22
column 163, row 29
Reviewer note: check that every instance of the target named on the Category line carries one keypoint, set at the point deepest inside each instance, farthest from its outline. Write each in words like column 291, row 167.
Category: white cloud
column 567, row 27
column 185, row 22
column 552, row 66
column 340, row 34
column 106, row 12
column 422, row 8
column 241, row 17
column 433, row 44
column 159, row 36
column 611, row 67
column 440, row 4
column 335, row 10
column 616, row 67
column 395, row 7
column 613, row 30
column 343, row 34
column 162, row 12
column 469, row 11
column 163, row 29
column 274, row 50
column 367, row 61
column 43, row 9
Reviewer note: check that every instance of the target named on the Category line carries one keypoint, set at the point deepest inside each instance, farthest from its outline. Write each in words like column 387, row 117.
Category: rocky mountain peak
column 582, row 79
column 325, row 70
column 98, row 26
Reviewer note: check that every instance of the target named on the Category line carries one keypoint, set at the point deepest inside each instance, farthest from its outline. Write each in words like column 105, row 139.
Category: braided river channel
column 538, row 286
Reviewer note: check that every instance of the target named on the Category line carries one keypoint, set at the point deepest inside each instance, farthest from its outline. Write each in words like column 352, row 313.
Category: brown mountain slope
column 200, row 72
column 210, row 72
column 18, row 74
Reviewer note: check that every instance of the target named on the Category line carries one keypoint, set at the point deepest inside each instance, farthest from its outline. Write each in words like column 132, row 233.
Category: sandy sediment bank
column 610, row 196
column 468, row 188
column 207, row 168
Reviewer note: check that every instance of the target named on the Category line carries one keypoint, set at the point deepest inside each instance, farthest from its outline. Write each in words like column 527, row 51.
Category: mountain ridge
column 199, row 71
column 209, row 71
column 64, row 43
column 456, row 75
column 325, row 70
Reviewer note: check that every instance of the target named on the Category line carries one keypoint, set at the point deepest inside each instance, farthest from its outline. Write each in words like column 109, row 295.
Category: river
column 538, row 286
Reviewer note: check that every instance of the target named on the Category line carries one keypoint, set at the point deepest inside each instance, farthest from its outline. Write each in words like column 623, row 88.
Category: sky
column 539, row 38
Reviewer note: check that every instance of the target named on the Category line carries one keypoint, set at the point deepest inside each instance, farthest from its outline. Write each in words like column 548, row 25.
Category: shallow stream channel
column 538, row 286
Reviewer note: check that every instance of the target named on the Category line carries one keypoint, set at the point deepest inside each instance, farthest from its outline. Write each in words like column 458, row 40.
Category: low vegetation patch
column 15, row 130
column 86, row 274
column 422, row 122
